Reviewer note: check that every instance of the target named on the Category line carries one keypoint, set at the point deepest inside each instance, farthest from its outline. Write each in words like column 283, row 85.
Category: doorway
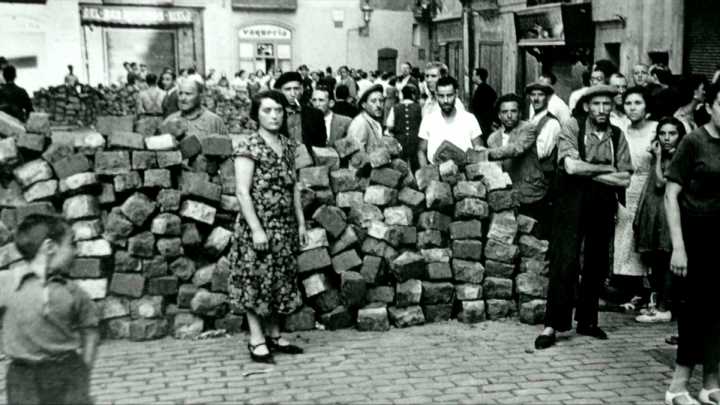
column 387, row 60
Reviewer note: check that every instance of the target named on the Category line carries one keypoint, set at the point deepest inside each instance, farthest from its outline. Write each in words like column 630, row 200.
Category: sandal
column 274, row 344
column 704, row 396
column 260, row 358
column 670, row 398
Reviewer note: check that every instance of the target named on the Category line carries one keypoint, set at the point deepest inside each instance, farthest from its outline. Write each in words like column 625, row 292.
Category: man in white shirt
column 405, row 78
column 336, row 125
column 434, row 71
column 555, row 104
column 447, row 123
column 546, row 124
column 617, row 115
column 364, row 83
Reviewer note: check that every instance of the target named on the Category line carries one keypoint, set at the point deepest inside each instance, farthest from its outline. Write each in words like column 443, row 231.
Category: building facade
column 42, row 37
column 516, row 39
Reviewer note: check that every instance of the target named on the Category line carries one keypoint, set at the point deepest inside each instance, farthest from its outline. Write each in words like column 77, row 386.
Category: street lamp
column 366, row 10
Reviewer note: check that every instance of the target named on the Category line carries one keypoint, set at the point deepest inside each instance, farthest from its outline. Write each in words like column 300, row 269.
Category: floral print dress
column 266, row 282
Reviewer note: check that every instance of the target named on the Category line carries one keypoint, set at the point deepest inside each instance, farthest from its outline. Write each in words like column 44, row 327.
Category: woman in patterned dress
column 269, row 230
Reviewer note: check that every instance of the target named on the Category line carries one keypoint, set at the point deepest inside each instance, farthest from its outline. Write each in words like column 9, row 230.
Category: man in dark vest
column 548, row 129
column 306, row 124
column 594, row 170
column 403, row 123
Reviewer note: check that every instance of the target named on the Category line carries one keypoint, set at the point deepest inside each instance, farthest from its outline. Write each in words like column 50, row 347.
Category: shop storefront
column 157, row 37
column 265, row 47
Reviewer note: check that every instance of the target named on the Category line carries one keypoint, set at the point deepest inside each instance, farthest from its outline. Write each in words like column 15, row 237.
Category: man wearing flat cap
column 594, row 169
column 366, row 127
column 306, row 124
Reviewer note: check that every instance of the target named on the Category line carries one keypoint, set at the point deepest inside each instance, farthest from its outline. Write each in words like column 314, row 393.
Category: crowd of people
column 622, row 178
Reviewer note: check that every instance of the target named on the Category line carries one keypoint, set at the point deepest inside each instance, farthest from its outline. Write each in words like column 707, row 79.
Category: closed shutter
column 702, row 37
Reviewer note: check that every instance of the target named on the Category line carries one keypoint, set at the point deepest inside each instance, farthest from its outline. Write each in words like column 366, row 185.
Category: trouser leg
column 21, row 384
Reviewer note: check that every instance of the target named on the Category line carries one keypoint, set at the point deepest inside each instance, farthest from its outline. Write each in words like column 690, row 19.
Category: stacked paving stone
column 153, row 219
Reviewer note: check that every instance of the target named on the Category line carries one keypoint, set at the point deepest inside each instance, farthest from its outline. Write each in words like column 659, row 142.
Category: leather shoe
column 260, row 358
column 592, row 331
column 274, row 345
column 545, row 341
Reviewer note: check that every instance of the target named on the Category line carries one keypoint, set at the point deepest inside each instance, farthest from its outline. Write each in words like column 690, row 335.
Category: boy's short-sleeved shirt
column 459, row 129
column 43, row 319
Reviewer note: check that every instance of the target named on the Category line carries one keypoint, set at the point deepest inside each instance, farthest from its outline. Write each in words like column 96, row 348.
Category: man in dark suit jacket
column 483, row 102
column 306, row 124
column 342, row 104
column 335, row 124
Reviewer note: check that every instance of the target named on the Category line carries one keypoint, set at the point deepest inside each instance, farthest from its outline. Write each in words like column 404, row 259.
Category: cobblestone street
column 490, row 362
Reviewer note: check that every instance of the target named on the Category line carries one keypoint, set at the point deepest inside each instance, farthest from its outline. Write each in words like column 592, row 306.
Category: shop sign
column 264, row 31
column 136, row 15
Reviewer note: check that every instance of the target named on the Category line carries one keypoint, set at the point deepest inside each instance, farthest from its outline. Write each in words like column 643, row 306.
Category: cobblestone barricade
column 153, row 218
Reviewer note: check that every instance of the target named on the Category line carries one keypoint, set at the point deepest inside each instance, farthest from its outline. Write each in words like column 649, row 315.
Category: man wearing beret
column 594, row 170
column 306, row 124
column 366, row 127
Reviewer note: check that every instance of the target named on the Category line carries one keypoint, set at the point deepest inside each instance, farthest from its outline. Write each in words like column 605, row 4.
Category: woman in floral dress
column 269, row 230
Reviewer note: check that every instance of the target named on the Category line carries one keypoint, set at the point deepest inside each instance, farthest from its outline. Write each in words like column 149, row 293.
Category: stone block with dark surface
column 107, row 194
column 467, row 249
column 169, row 247
column 403, row 317
column 124, row 262
column 216, row 145
column 346, row 261
column 347, row 146
column 31, row 142
column 129, row 284
column 155, row 267
column 72, row 164
column 331, row 218
column 530, row 265
column 221, row 276
column 347, row 239
column 304, row 319
column 377, row 247
column 127, row 182
column 501, row 252
column 526, row 225
column 533, row 312
column 363, row 214
column 449, row 151
column 439, row 271
column 434, row 220
column 117, row 226
column 196, row 185
column 338, row 318
column 10, row 127
column 343, row 180
column 38, row 123
column 157, row 178
column 107, row 124
column 166, row 285
column 142, row 244
column 89, row 267
column 353, row 289
column 437, row 292
column 472, row 311
column 186, row 292
column 183, row 268
column 408, row 265
column 112, row 162
column 437, row 312
column 383, row 293
column 373, row 317
column 209, row 303
column 147, row 329
column 168, row 200
column 429, row 239
column 499, row 308
column 326, row 157
column 382, row 231
column 190, row 235
column 532, row 247
column 412, row 198
column 499, row 269
column 125, row 140
column 408, row 293
column 386, row 176
column 138, row 208
column 327, row 300
column 498, row 288
column 466, row 230
column 468, row 271
column 408, row 235
column 143, row 160
column 190, row 147
column 501, row 200
column 168, row 158
column 470, row 208
column 312, row 260
column 372, row 268
column 315, row 177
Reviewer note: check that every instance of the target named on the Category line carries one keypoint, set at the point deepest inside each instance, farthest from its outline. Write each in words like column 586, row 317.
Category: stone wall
column 153, row 219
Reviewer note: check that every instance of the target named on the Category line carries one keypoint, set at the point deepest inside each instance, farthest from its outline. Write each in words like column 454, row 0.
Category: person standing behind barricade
column 170, row 101
column 548, row 130
column 447, row 123
column 555, row 104
column 343, row 102
column 336, row 125
column 628, row 267
column 347, row 80
column 403, row 123
column 366, row 127
column 692, row 205
column 306, row 124
column 594, row 167
column 269, row 230
column 434, row 71
column 14, row 100
column 195, row 118
column 149, row 107
column 514, row 145
column 650, row 228
column 483, row 101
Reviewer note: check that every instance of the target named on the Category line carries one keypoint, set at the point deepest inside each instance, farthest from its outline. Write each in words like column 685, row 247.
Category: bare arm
column 244, row 169
column 515, row 147
column 299, row 213
column 660, row 180
column 477, row 142
column 422, row 153
column 90, row 338
column 577, row 167
column 678, row 261
column 619, row 179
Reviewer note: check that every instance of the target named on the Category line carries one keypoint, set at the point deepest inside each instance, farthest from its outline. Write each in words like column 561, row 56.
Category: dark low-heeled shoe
column 545, row 341
column 592, row 331
column 274, row 344
column 260, row 358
